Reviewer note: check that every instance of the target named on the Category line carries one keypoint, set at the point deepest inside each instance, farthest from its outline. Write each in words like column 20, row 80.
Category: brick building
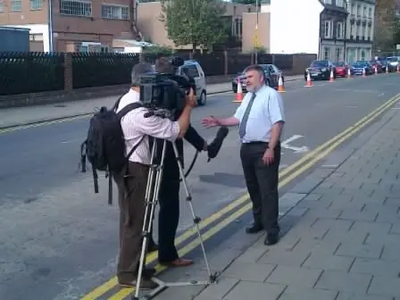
column 72, row 25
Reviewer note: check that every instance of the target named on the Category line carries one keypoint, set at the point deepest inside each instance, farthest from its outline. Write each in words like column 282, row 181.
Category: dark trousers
column 262, row 184
column 168, row 218
column 131, row 194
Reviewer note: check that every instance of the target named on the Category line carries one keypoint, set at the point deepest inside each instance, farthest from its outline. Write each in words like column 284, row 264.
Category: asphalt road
column 59, row 239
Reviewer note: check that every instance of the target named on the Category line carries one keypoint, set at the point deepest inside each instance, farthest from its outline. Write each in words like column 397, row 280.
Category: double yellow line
column 285, row 176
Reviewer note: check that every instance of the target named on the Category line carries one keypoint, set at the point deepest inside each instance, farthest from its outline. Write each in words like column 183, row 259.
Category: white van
column 193, row 69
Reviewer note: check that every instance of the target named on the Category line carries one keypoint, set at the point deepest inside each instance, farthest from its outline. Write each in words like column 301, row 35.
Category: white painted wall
column 38, row 29
column 294, row 26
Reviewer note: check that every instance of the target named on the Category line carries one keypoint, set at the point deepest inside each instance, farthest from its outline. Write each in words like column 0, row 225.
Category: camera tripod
column 151, row 198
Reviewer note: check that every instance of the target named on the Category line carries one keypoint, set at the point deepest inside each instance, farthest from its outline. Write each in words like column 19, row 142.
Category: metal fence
column 101, row 69
column 30, row 72
column 34, row 72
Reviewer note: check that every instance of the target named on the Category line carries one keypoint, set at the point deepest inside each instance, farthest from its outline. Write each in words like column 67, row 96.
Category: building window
column 363, row 55
column 16, row 5
column 328, row 29
column 36, row 4
column 36, row 37
column 339, row 54
column 339, row 3
column 358, row 10
column 79, row 8
column 115, row 12
column 370, row 13
column 237, row 27
column 327, row 53
column 339, row 30
column 1, row 6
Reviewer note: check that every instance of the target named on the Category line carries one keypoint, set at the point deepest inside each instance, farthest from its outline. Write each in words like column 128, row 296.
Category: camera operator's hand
column 191, row 99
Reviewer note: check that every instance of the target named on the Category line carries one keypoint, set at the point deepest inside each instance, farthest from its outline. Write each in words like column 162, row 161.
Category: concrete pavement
column 10, row 117
column 342, row 239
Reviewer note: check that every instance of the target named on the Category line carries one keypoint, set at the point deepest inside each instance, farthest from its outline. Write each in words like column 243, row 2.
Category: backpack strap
column 128, row 108
column 116, row 104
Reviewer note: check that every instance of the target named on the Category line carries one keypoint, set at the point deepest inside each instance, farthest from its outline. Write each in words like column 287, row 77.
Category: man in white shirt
column 260, row 117
column 132, row 187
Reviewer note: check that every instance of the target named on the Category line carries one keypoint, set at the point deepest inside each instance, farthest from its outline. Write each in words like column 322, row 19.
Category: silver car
column 193, row 69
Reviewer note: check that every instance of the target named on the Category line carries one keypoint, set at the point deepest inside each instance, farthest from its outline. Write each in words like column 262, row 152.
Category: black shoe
column 271, row 239
column 254, row 228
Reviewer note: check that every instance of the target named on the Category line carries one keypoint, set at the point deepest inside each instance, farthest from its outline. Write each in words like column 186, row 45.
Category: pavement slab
column 344, row 241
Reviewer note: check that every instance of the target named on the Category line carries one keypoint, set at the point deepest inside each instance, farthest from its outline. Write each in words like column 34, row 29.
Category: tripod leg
column 196, row 219
column 151, row 200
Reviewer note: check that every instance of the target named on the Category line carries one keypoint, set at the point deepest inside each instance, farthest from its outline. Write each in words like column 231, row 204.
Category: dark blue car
column 358, row 67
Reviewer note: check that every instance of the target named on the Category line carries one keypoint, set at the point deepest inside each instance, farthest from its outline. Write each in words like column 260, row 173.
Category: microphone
column 215, row 146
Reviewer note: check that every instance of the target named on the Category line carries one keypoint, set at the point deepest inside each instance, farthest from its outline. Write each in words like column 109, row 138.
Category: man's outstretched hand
column 210, row 122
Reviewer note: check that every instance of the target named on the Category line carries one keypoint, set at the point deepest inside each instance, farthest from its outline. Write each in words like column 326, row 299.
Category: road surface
column 60, row 240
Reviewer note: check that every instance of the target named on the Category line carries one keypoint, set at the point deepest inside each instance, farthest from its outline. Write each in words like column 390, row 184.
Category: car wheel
column 203, row 99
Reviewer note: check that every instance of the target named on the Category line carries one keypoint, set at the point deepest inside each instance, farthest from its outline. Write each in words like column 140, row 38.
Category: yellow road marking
column 335, row 141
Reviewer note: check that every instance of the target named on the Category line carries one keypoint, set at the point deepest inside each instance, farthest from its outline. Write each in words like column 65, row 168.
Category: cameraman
column 132, row 188
column 170, row 186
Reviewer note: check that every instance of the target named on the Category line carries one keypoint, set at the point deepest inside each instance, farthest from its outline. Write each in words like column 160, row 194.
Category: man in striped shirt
column 132, row 188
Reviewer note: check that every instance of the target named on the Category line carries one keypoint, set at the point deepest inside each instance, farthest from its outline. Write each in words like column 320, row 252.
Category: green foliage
column 196, row 22
column 158, row 50
column 396, row 34
column 386, row 23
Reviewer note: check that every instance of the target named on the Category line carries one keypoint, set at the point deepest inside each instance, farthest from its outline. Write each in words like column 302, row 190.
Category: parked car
column 393, row 62
column 193, row 69
column 271, row 72
column 383, row 61
column 376, row 64
column 361, row 65
column 320, row 69
column 341, row 68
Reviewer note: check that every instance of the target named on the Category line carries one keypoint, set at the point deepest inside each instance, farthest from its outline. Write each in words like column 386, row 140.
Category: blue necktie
column 243, row 123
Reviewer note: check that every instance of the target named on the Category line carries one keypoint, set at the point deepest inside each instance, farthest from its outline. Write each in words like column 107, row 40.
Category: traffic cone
column 376, row 70
column 331, row 77
column 281, row 88
column 239, row 93
column 309, row 82
column 387, row 69
column 349, row 73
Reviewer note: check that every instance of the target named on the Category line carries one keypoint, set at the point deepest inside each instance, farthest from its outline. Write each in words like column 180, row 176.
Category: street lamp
column 50, row 24
column 256, row 35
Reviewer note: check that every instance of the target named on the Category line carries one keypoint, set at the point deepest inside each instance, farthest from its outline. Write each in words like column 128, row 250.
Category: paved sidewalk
column 342, row 239
column 10, row 117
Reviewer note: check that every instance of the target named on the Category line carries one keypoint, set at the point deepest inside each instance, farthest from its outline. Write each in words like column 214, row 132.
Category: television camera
column 166, row 92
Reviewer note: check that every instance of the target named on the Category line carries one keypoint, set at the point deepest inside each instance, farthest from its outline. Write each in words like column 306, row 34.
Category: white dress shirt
column 135, row 125
column 267, row 110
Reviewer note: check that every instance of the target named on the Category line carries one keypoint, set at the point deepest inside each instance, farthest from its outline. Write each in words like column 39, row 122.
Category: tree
column 194, row 22
column 385, row 25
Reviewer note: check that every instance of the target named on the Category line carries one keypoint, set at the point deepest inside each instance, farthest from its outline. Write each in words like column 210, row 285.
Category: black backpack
column 104, row 146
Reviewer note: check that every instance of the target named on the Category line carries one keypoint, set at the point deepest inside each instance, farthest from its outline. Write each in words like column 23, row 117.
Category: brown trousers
column 131, row 194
